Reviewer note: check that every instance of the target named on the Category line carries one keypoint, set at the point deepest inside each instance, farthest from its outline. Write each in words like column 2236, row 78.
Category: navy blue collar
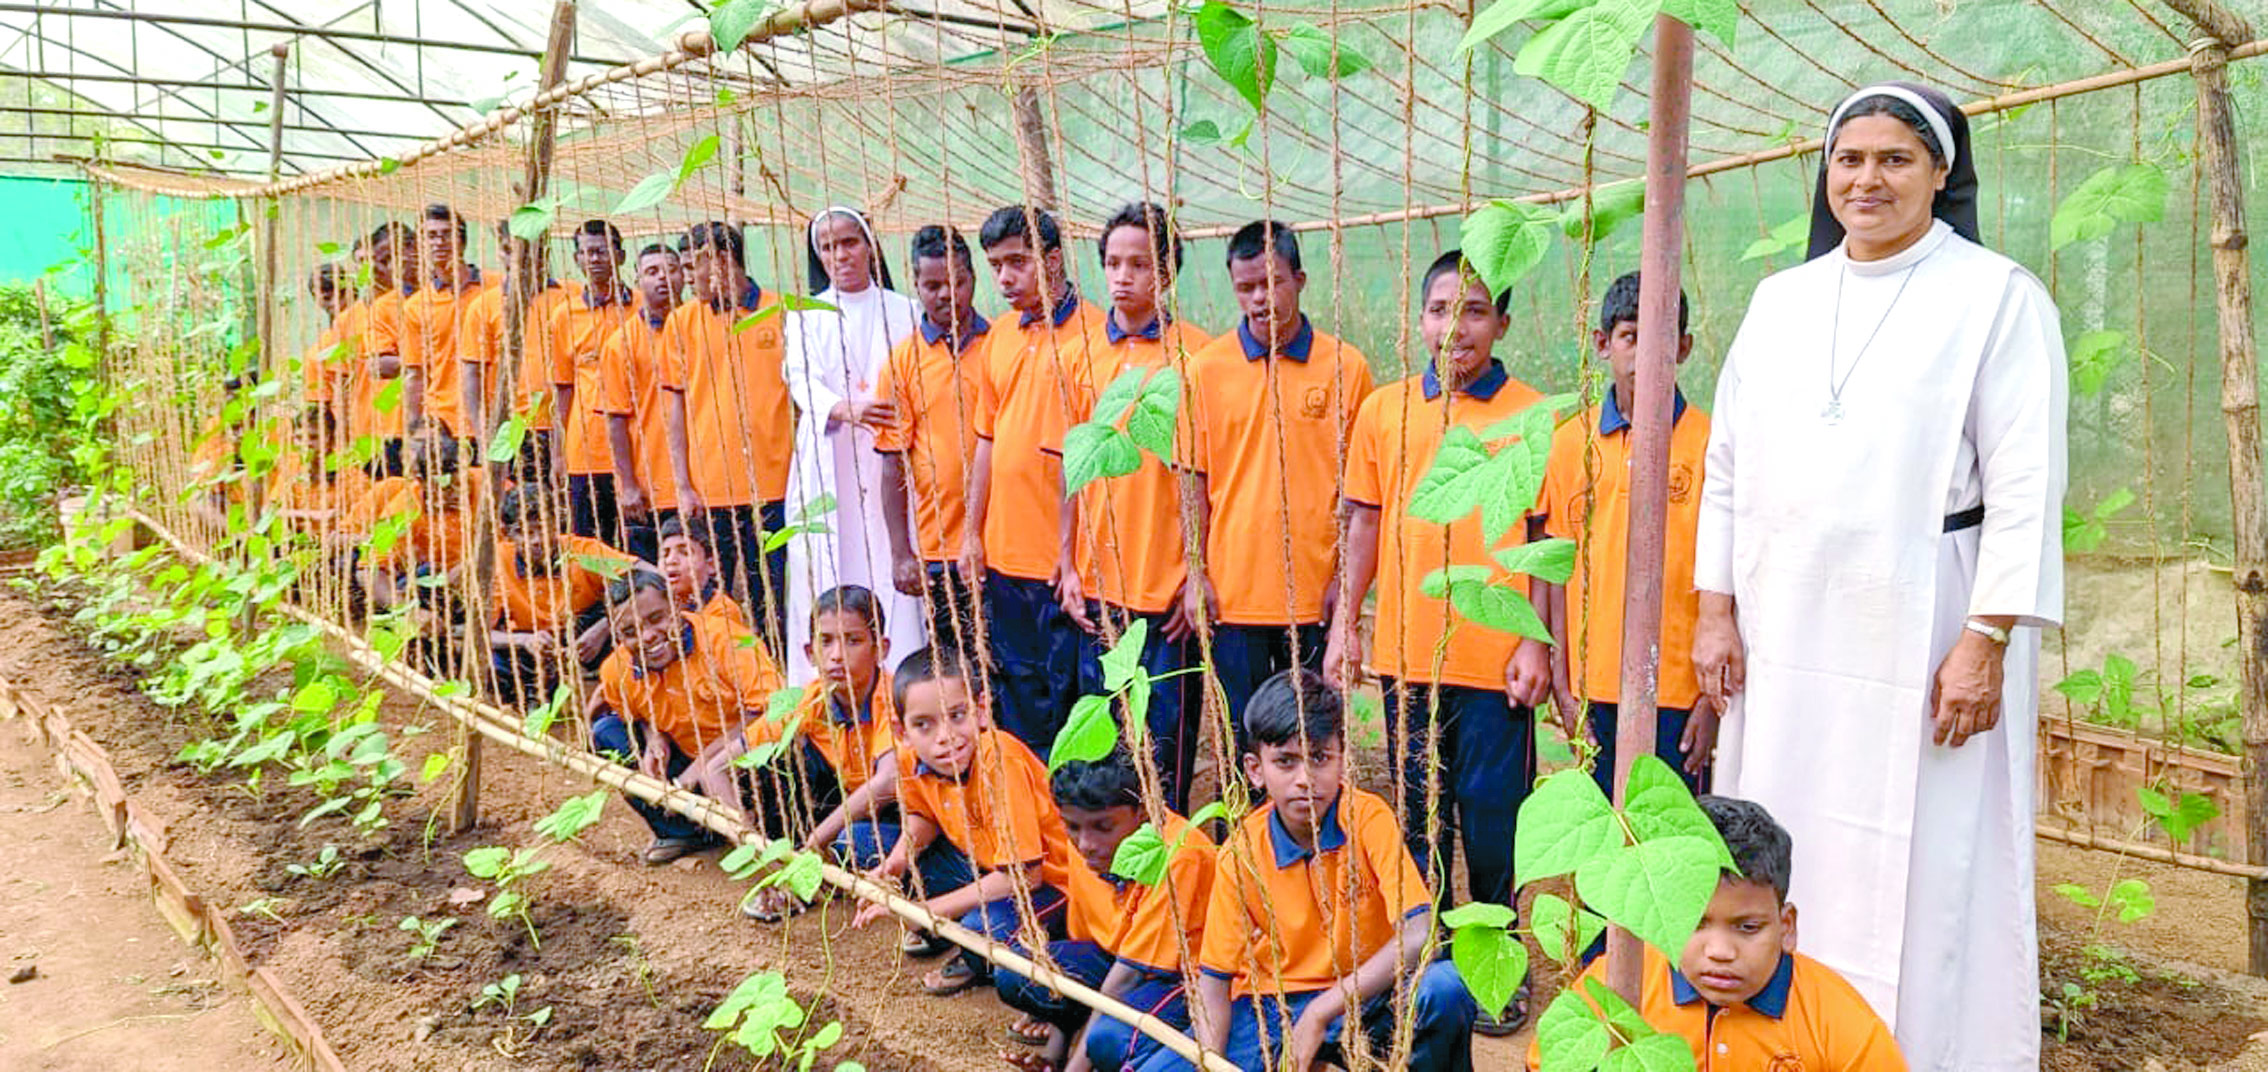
column 844, row 714
column 620, row 295
column 702, row 597
column 1329, row 837
column 685, row 644
column 1483, row 387
column 1302, row 342
column 1772, row 1001
column 1611, row 419
column 932, row 331
column 750, row 296
column 655, row 322
column 1063, row 310
column 472, row 279
column 1153, row 331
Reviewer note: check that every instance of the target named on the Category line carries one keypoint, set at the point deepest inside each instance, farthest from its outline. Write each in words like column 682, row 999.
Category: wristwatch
column 1987, row 630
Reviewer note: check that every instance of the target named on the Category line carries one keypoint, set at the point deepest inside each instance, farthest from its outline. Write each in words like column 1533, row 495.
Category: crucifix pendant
column 1833, row 414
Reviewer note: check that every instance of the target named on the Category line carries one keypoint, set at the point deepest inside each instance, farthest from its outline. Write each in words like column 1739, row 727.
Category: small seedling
column 427, row 934
column 325, row 865
column 510, row 870
column 265, row 906
column 639, row 966
column 504, row 992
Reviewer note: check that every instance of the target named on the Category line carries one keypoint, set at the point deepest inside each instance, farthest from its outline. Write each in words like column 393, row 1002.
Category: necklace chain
column 1835, row 384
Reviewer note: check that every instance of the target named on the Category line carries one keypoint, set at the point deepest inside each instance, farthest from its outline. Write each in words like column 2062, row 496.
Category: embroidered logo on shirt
column 1315, row 403
column 1680, row 483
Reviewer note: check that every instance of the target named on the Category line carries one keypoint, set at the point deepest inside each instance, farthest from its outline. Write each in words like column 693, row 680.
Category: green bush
column 37, row 430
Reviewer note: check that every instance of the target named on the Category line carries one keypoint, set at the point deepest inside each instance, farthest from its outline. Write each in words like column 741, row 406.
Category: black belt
column 1965, row 519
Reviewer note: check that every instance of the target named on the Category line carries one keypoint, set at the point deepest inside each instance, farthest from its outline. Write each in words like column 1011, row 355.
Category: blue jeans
column 1669, row 729
column 942, row 868
column 610, row 733
column 1083, row 961
column 1441, row 1036
column 1035, row 659
column 1112, row 1044
column 1477, row 774
column 1244, row 656
column 1174, row 702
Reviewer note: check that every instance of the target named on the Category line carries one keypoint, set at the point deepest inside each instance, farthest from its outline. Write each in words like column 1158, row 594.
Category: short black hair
column 639, row 577
column 1294, row 705
column 330, row 275
column 1165, row 242
column 938, row 240
column 1760, row 846
column 1620, row 305
column 439, row 211
column 1020, row 221
column 1454, row 261
column 1097, row 785
column 717, row 234
column 524, row 503
column 673, row 527
column 1258, row 238
column 655, row 247
column 938, row 662
column 394, row 231
column 852, row 599
column 603, row 228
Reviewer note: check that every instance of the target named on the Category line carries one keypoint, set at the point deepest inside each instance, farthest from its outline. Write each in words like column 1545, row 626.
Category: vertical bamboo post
column 46, row 326
column 2240, row 416
column 101, row 277
column 1031, row 139
column 502, row 387
column 1659, row 264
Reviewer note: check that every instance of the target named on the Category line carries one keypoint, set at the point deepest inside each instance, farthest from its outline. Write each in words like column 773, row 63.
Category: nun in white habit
column 833, row 358
column 1880, row 543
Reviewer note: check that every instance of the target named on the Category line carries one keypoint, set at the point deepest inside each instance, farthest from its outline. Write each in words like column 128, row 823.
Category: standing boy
column 729, row 426
column 1125, row 553
column 1035, row 376
column 1458, row 706
column 374, row 325
column 1586, row 498
column 630, row 397
column 1272, row 403
column 578, row 330
column 1317, row 904
column 480, row 345
column 931, row 381
column 431, row 393
column 323, row 369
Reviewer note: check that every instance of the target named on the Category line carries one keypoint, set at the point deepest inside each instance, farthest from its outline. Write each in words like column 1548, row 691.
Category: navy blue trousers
column 1174, row 702
column 1441, row 1036
column 1244, row 656
column 611, row 733
column 756, row 579
column 1669, row 729
column 1476, row 774
column 1035, row 659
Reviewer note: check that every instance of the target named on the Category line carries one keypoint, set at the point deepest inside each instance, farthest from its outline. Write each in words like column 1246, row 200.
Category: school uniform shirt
column 535, row 595
column 713, row 600
column 1396, row 435
column 1270, row 432
column 1035, row 374
column 431, row 319
column 630, row 372
column 854, row 738
column 294, row 486
column 932, row 379
column 739, row 429
column 381, row 333
column 578, row 330
column 1599, row 486
column 1807, row 1019
column 716, row 683
column 1000, row 812
column 1131, row 548
column 322, row 372
column 481, row 341
column 1147, row 926
column 1265, row 929
column 440, row 526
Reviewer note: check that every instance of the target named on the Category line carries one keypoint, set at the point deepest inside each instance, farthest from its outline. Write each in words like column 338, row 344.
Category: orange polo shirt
column 1147, row 926
column 1265, row 928
column 380, row 330
column 1396, row 435
column 322, row 368
column 1036, row 378
column 1601, row 487
column 291, row 486
column 933, row 381
column 1001, row 813
column 1806, row 1018
column 714, row 600
column 1270, row 431
column 431, row 319
column 854, row 742
column 630, row 371
column 739, row 425
column 441, row 529
column 482, row 343
column 715, row 684
column 578, row 330
column 1131, row 549
column 527, row 601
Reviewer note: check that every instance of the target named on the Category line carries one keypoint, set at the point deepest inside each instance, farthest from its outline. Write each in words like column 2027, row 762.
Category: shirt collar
column 618, row 296
column 1302, row 342
column 655, row 322
column 1153, row 331
column 932, row 331
column 684, row 649
column 1611, row 419
column 1483, row 387
column 1062, row 312
column 1329, row 837
column 846, row 714
column 471, row 280
column 750, row 296
column 1772, row 1001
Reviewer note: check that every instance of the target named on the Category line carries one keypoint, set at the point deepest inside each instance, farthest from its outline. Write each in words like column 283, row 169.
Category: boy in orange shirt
column 1125, row 546
column 931, row 381
column 1588, row 500
column 373, row 325
column 962, row 782
column 679, row 689
column 432, row 398
column 1318, row 903
column 578, row 330
column 692, row 572
column 630, row 390
column 1036, row 374
column 1271, row 403
column 550, row 605
column 322, row 369
column 480, row 347
column 1740, row 995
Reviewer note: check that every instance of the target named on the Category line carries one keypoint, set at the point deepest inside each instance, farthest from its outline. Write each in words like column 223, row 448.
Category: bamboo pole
column 2240, row 415
column 2085, row 839
column 1660, row 259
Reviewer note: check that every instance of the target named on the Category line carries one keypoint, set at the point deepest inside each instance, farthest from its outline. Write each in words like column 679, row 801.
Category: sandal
column 665, row 850
column 1029, row 1032
column 923, row 945
column 1028, row 1062
column 772, row 905
column 948, row 980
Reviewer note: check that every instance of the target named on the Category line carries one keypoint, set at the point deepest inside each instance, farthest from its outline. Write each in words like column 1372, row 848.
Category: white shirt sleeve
column 2017, row 421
